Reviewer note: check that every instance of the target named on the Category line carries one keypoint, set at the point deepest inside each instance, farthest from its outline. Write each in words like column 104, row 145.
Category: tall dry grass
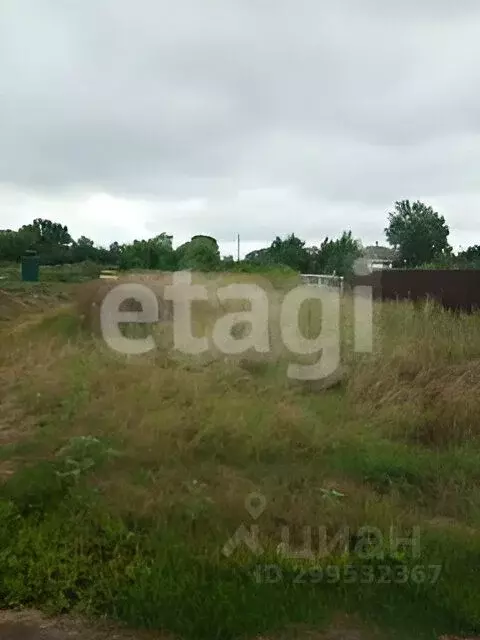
column 424, row 374
column 188, row 439
column 421, row 381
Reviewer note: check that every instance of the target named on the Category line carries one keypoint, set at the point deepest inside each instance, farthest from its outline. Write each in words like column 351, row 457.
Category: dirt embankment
column 21, row 299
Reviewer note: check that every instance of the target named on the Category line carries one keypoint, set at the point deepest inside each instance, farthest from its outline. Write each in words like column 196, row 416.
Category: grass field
column 124, row 478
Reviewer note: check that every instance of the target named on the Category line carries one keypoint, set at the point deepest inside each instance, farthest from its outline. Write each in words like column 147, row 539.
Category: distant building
column 379, row 257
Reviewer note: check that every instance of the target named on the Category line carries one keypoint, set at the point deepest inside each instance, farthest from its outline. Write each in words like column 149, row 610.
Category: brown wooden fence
column 454, row 289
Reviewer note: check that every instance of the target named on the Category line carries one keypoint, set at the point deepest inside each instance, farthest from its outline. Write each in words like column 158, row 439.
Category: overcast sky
column 126, row 118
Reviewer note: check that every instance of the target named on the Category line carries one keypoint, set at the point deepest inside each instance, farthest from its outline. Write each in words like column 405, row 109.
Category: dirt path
column 30, row 625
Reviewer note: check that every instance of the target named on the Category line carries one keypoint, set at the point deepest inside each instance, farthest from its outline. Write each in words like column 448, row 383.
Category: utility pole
column 238, row 247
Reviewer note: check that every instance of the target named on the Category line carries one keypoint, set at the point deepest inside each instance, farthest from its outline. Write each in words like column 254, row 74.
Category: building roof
column 377, row 252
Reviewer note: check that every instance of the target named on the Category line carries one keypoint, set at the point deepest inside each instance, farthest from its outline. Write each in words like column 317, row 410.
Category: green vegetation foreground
column 123, row 481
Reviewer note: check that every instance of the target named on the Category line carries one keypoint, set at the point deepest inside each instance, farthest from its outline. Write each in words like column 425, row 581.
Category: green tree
column 52, row 241
column 14, row 244
column 50, row 233
column 419, row 233
column 83, row 249
column 289, row 252
column 335, row 257
column 228, row 262
column 200, row 254
column 155, row 253
column 469, row 259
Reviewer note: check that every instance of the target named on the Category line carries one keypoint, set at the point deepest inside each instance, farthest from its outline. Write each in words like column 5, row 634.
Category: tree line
column 53, row 244
column 417, row 235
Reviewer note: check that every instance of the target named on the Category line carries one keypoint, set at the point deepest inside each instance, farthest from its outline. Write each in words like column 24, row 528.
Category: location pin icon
column 255, row 504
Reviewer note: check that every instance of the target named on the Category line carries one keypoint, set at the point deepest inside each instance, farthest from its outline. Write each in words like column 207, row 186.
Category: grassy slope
column 123, row 480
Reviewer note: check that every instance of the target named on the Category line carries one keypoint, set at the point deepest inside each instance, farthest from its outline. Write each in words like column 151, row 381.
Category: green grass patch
column 74, row 556
column 123, row 478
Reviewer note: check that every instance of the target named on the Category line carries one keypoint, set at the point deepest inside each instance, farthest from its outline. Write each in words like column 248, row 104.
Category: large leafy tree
column 419, row 233
column 289, row 251
column 200, row 254
column 332, row 257
column 53, row 244
column 335, row 256
column 470, row 257
column 52, row 240
column 83, row 249
column 49, row 233
column 14, row 244
column 155, row 253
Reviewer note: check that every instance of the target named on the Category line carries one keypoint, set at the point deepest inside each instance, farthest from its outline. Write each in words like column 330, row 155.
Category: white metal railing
column 323, row 280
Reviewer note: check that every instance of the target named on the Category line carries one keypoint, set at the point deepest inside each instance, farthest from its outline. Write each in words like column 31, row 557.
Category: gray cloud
column 270, row 116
